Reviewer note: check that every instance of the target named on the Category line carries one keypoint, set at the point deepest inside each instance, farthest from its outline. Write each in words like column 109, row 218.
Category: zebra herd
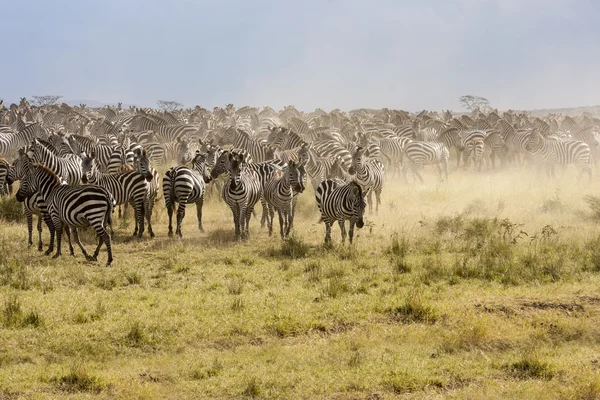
column 75, row 165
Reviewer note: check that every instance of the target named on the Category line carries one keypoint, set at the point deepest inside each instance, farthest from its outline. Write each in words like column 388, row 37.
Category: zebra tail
column 172, row 188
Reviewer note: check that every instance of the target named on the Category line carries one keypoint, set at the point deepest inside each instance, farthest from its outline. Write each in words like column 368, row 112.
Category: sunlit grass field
column 483, row 287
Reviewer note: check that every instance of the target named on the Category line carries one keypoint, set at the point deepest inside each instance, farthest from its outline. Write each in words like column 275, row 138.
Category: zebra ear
column 93, row 155
column 144, row 153
column 355, row 190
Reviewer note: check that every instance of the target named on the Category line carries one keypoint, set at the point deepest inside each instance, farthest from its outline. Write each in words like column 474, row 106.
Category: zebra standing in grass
column 125, row 187
column 185, row 186
column 242, row 140
column 81, row 144
column 429, row 153
column 31, row 205
column 143, row 166
column 70, row 207
column 263, row 170
column 280, row 191
column 68, row 168
column 5, row 188
column 241, row 192
column 370, row 174
column 552, row 152
column 339, row 201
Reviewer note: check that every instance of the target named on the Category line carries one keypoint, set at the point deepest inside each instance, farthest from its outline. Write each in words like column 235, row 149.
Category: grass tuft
column 531, row 366
column 79, row 379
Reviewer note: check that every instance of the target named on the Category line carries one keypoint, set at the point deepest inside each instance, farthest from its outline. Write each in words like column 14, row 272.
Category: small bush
column 314, row 270
column 252, row 388
column 334, row 288
column 452, row 225
column 133, row 278
column 33, row 319
column 78, row 379
column 294, row 247
column 530, row 366
column 414, row 309
column 136, row 336
column 406, row 382
column 11, row 210
column 12, row 311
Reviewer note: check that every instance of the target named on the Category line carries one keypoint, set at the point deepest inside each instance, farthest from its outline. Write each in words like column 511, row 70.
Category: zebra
column 143, row 166
column 553, row 152
column 81, row 144
column 185, row 186
column 240, row 139
column 473, row 142
column 70, row 207
column 5, row 188
column 317, row 168
column 263, row 170
column 119, row 157
column 69, row 168
column 241, row 192
column 280, row 192
column 427, row 153
column 339, row 201
column 494, row 147
column 31, row 205
column 124, row 186
column 370, row 174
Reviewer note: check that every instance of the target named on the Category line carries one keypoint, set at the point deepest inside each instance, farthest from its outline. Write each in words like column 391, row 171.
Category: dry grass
column 485, row 287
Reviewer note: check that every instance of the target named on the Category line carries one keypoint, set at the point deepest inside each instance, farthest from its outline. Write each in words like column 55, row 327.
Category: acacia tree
column 168, row 105
column 47, row 100
column 471, row 102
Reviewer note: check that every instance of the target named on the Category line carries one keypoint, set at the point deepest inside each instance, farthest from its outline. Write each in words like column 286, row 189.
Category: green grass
column 479, row 288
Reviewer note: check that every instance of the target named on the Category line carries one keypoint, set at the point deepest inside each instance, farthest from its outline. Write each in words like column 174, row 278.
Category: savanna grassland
column 483, row 287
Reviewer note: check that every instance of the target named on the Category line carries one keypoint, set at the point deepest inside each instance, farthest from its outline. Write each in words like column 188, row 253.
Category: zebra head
column 88, row 167
column 337, row 169
column 37, row 178
column 358, row 160
column 199, row 163
column 19, row 167
column 356, row 199
column 534, row 141
column 61, row 144
column 297, row 176
column 236, row 167
column 142, row 164
column 221, row 164
column 212, row 155
column 303, row 153
column 275, row 136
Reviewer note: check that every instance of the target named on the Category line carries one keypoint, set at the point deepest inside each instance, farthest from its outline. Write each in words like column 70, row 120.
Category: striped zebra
column 31, row 205
column 494, row 147
column 81, row 144
column 143, row 166
column 242, row 140
column 552, row 151
column 185, row 186
column 124, row 187
column 280, row 192
column 370, row 174
column 317, row 168
column 263, row 170
column 392, row 150
column 70, row 207
column 5, row 188
column 474, row 152
column 241, row 192
column 427, row 153
column 13, row 140
column 118, row 158
column 68, row 167
column 339, row 201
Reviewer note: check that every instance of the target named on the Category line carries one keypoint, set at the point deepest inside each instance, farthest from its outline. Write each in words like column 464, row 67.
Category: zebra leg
column 180, row 216
column 149, row 209
column 68, row 234
column 342, row 224
column 52, row 230
column 78, row 241
column 242, row 221
column 103, row 237
column 199, row 205
column 270, row 220
column 265, row 211
column 29, row 218
column 370, row 201
column 235, row 209
column 351, row 230
column 377, row 198
column 39, row 229
column 281, row 217
column 248, row 224
column 327, row 232
column 170, row 213
column 139, row 218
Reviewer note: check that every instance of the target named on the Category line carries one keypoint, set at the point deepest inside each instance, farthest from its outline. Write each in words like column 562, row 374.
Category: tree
column 47, row 100
column 168, row 105
column 471, row 103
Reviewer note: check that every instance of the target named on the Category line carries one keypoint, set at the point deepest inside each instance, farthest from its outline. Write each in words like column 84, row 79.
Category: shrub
column 11, row 210
column 78, row 379
column 530, row 366
column 415, row 309
column 294, row 247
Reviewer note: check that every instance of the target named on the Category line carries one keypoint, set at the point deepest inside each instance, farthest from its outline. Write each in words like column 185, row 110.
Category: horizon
column 521, row 55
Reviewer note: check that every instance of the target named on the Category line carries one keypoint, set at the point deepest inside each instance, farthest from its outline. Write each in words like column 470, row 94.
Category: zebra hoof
column 201, row 229
column 48, row 252
column 90, row 258
column 170, row 233
column 56, row 255
column 152, row 234
column 40, row 248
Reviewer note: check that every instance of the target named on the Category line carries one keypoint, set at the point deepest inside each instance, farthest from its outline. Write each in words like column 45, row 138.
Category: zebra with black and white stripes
column 241, row 192
column 553, row 151
column 280, row 192
column 68, row 167
column 143, row 166
column 339, row 201
column 370, row 174
column 242, row 140
column 5, row 188
column 70, row 207
column 125, row 187
column 186, row 186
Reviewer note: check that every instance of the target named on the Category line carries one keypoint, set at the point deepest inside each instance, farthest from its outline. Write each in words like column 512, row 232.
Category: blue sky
column 315, row 53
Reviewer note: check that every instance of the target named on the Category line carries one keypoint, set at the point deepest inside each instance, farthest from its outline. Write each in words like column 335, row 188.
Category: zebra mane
column 48, row 170
column 354, row 183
